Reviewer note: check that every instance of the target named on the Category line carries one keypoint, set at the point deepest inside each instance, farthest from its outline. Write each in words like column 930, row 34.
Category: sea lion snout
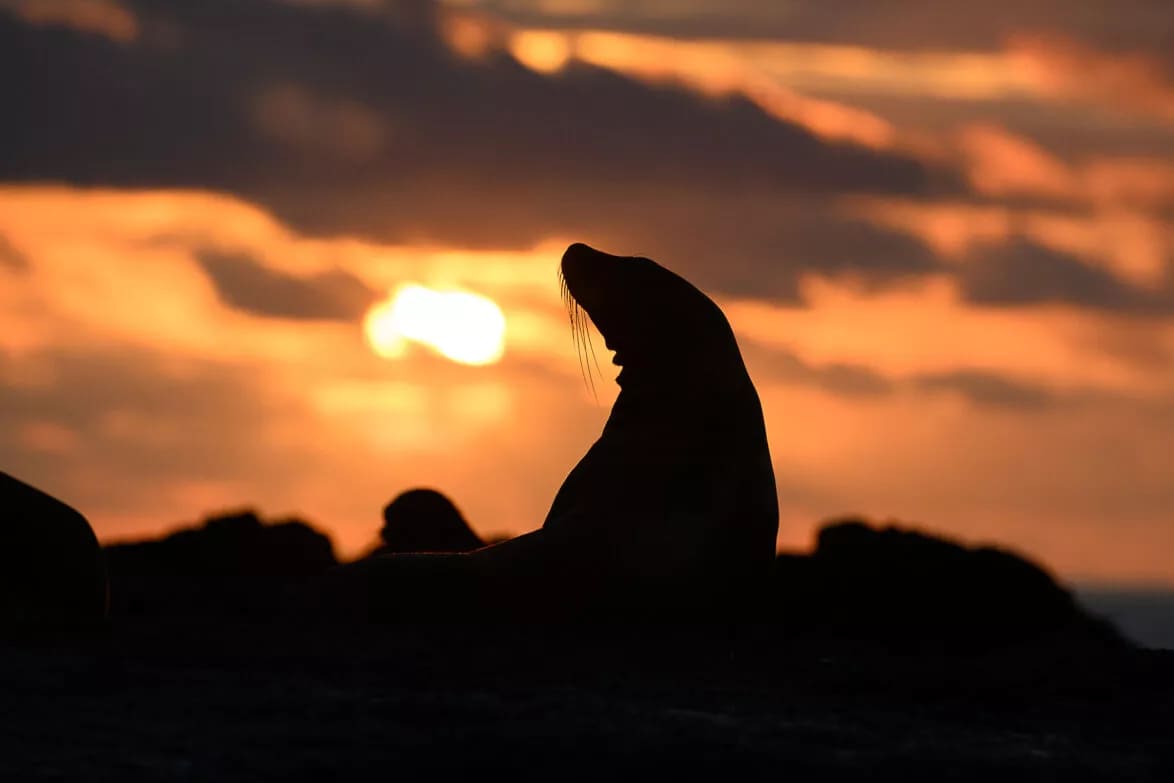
column 603, row 285
column 584, row 268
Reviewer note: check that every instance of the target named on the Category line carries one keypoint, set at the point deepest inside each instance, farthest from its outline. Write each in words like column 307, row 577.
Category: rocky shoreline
column 244, row 702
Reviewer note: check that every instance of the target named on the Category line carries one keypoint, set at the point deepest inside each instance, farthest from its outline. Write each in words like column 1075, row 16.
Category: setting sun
column 461, row 326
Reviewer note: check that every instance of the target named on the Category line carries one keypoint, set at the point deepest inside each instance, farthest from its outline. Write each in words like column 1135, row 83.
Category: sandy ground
column 249, row 703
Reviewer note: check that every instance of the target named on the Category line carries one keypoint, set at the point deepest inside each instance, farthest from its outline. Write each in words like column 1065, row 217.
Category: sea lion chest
column 691, row 454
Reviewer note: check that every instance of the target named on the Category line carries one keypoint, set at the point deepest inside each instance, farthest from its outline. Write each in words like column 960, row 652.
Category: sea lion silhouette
column 680, row 483
column 673, row 510
column 54, row 575
column 424, row 520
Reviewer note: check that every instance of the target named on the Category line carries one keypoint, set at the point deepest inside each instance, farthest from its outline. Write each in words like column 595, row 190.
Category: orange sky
column 305, row 418
column 137, row 388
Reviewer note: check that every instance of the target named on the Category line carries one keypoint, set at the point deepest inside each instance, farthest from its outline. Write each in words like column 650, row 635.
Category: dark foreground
column 151, row 701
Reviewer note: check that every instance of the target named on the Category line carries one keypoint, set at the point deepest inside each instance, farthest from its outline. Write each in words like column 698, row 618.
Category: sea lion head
column 658, row 323
column 425, row 520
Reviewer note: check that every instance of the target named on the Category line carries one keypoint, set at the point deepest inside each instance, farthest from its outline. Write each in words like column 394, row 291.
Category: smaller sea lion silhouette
column 424, row 520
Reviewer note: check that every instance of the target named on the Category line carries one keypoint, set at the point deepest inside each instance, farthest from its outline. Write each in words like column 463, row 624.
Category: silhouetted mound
column 903, row 586
column 53, row 576
column 424, row 520
column 234, row 565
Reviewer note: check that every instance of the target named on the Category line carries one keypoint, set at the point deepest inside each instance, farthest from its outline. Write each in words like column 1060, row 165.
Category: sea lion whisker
column 589, row 350
column 580, row 335
column 564, row 292
column 569, row 305
column 581, row 348
column 594, row 360
column 573, row 311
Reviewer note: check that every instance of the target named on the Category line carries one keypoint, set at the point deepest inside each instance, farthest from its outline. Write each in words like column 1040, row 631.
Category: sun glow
column 459, row 325
column 543, row 51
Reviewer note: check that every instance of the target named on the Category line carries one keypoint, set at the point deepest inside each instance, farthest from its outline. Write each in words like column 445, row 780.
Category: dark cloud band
column 345, row 123
column 244, row 284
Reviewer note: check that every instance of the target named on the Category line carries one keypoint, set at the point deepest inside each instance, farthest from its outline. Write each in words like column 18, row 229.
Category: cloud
column 839, row 378
column 137, row 418
column 1021, row 272
column 11, row 258
column 243, row 283
column 367, row 124
column 753, row 247
column 988, row 389
column 372, row 126
column 879, row 23
column 319, row 125
column 1002, row 163
column 107, row 18
column 464, row 121
column 1142, row 81
column 1079, row 76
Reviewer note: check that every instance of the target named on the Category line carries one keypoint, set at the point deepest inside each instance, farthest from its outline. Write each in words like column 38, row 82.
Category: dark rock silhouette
column 424, row 520
column 671, row 513
column 232, row 565
column 901, row 586
column 54, row 576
